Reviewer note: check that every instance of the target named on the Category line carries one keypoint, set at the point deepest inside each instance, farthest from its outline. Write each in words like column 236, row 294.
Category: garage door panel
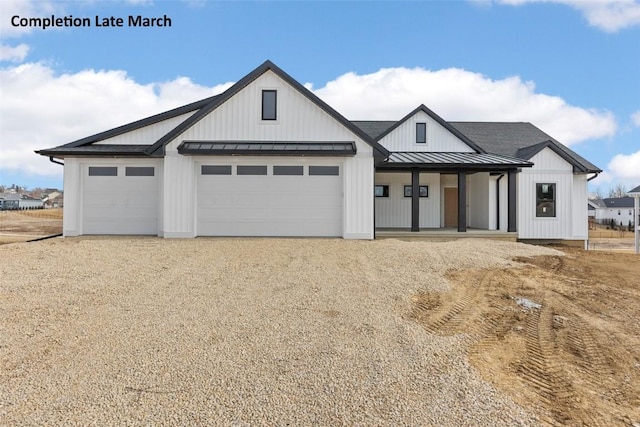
column 120, row 204
column 271, row 205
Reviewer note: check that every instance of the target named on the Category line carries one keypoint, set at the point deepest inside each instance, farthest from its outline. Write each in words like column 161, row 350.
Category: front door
column 450, row 207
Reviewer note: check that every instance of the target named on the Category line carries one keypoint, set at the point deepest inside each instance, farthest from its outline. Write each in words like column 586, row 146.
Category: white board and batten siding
column 239, row 119
column 439, row 139
column 570, row 221
column 148, row 134
column 107, row 204
column 395, row 211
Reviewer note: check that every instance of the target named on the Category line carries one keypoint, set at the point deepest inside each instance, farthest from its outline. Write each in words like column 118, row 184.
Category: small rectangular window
column 422, row 189
column 288, row 170
column 324, row 170
column 139, row 171
column 269, row 104
column 103, row 171
column 215, row 170
column 381, row 191
column 252, row 170
column 421, row 133
column 545, row 200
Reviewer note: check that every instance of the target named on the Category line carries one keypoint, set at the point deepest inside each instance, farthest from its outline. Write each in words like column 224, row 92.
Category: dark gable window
column 421, row 133
column 103, row 171
column 545, row 200
column 269, row 104
column 422, row 189
column 381, row 191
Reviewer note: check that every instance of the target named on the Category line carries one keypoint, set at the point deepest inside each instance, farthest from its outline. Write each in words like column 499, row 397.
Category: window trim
column 275, row 106
column 554, row 200
column 385, row 195
column 420, row 187
column 418, row 133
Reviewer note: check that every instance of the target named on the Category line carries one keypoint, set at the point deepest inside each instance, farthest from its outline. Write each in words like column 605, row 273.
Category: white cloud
column 40, row 109
column 607, row 15
column 635, row 118
column 626, row 167
column 13, row 54
column 25, row 9
column 459, row 95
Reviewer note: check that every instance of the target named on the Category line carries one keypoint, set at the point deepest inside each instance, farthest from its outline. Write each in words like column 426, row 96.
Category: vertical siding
column 298, row 119
column 148, row 134
column 358, row 196
column 395, row 211
column 403, row 138
column 179, row 196
column 547, row 160
column 478, row 192
column 71, row 220
column 579, row 221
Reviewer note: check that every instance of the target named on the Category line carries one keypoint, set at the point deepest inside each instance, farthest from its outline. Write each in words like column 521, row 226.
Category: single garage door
column 120, row 200
column 269, row 200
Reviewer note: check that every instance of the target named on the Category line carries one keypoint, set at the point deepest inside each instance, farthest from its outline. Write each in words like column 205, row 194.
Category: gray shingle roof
column 618, row 202
column 374, row 128
column 635, row 190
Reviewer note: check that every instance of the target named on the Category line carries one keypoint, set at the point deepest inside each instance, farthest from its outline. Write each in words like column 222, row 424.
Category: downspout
column 498, row 202
column 593, row 177
column 52, row 160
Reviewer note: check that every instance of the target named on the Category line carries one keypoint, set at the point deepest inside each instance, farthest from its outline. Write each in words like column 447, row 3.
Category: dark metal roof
column 520, row 139
column 269, row 148
column 97, row 150
column 443, row 160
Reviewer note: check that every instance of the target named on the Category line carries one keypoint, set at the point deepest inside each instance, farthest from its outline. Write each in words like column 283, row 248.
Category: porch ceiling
column 452, row 160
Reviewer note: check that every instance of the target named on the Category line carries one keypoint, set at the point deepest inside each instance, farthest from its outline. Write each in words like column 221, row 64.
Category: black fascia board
column 110, row 150
column 245, row 81
column 140, row 123
column 438, row 119
column 532, row 150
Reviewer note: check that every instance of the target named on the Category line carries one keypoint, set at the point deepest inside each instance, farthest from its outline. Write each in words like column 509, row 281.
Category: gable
column 239, row 118
column 547, row 160
column 439, row 138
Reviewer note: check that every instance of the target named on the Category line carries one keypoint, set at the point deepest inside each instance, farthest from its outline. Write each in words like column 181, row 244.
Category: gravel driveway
column 134, row 331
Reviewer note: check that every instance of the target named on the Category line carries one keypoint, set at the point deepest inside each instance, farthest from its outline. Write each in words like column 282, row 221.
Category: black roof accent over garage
column 268, row 148
column 118, row 150
column 452, row 160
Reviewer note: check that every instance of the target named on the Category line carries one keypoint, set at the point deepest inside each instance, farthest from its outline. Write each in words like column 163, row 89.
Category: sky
column 570, row 67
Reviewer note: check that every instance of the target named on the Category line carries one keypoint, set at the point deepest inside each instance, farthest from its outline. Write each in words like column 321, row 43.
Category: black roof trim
column 241, row 84
column 268, row 148
column 140, row 123
column 438, row 119
column 452, row 160
column 532, row 150
column 119, row 150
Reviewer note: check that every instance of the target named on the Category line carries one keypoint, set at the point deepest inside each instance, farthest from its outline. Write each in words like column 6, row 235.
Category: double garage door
column 269, row 200
column 120, row 199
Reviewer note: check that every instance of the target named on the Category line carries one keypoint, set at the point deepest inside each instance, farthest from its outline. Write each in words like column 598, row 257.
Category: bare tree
column 596, row 194
column 618, row 191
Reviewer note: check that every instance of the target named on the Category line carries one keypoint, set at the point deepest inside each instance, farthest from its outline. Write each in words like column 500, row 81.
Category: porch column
column 462, row 201
column 415, row 199
column 512, row 200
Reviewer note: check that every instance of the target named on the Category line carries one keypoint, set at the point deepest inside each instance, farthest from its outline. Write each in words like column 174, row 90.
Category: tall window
column 421, row 133
column 545, row 200
column 269, row 104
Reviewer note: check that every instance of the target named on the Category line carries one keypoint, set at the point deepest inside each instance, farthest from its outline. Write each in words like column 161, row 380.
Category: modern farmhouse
column 269, row 158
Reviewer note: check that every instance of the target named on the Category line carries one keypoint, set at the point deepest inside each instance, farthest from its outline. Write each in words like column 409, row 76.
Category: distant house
column 53, row 199
column 28, row 202
column 593, row 206
column 9, row 201
column 618, row 209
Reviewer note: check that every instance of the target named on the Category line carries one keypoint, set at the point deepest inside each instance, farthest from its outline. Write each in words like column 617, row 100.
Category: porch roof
column 451, row 160
column 269, row 148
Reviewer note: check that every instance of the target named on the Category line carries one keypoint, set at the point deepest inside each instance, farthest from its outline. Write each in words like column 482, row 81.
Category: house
column 28, row 202
column 635, row 193
column 9, row 201
column 267, row 157
column 53, row 199
column 618, row 209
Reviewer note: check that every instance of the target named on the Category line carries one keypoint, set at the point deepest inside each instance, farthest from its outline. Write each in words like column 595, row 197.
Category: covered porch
column 436, row 195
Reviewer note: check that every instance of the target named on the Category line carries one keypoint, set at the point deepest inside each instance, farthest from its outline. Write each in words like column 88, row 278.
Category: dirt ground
column 560, row 335
column 20, row 226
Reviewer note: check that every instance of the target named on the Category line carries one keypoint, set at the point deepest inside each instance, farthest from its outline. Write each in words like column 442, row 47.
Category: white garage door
column 120, row 200
column 269, row 200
